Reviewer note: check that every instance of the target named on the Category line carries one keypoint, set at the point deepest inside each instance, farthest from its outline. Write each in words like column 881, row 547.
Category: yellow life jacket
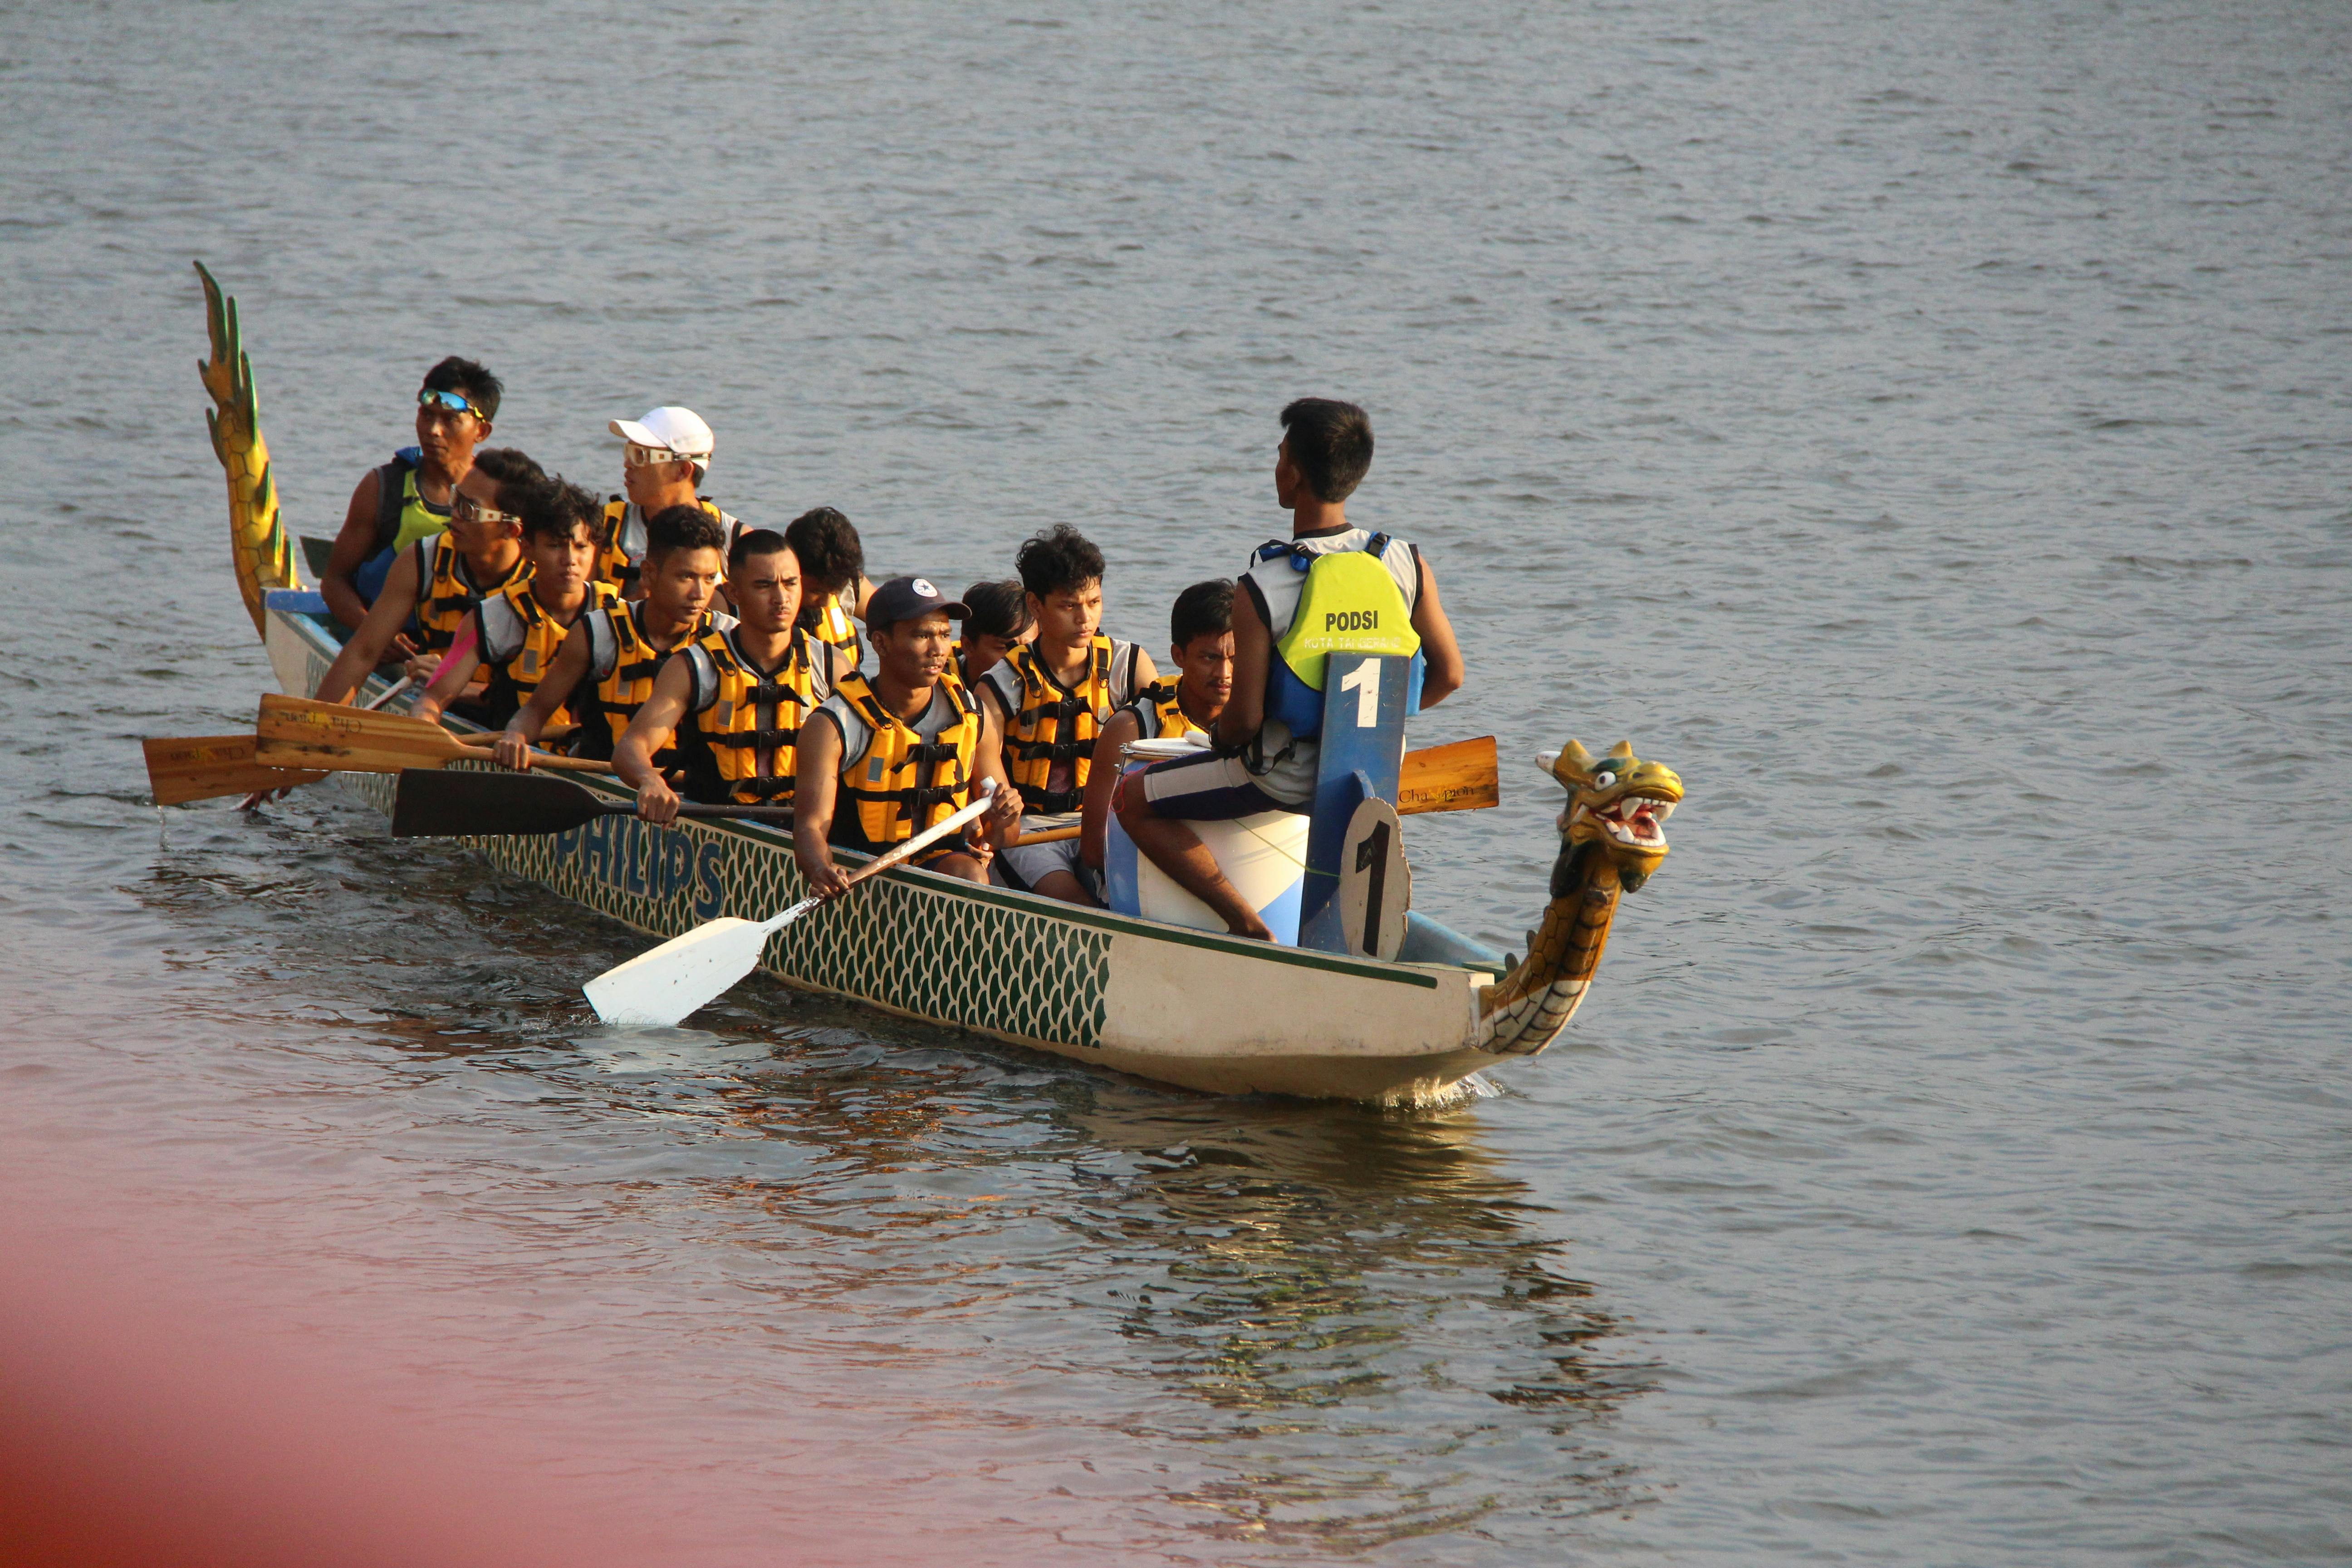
column 621, row 557
column 627, row 662
column 741, row 743
column 447, row 592
column 1158, row 713
column 835, row 628
column 520, row 640
column 1049, row 724
column 901, row 783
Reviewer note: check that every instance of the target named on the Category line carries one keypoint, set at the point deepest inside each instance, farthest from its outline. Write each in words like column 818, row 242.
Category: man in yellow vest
column 407, row 499
column 610, row 661
column 1200, row 641
column 667, row 458
column 1266, row 756
column 1052, row 695
column 519, row 629
column 733, row 703
column 433, row 588
column 885, row 757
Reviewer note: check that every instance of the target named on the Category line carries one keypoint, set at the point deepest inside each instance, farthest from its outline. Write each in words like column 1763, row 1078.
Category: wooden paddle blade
column 390, row 741
column 205, row 767
column 658, row 987
column 430, row 802
column 358, row 758
column 1459, row 777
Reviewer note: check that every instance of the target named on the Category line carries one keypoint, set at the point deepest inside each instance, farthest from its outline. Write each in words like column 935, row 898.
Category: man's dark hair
column 481, row 388
column 754, row 541
column 512, row 472
column 1202, row 610
column 682, row 528
column 1060, row 557
column 830, row 552
column 553, row 508
column 998, row 609
column 1331, row 444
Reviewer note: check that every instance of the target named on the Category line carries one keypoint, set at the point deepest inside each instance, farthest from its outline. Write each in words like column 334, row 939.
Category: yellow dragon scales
column 1611, row 840
column 264, row 558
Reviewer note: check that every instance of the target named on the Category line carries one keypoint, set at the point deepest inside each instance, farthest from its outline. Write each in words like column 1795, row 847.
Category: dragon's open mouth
column 1632, row 819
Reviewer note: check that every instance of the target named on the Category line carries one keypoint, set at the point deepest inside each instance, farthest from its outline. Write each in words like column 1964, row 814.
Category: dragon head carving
column 1617, row 804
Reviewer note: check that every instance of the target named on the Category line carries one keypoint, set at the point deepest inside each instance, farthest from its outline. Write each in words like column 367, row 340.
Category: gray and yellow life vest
column 1048, row 724
column 1159, row 715
column 1351, row 602
column 622, row 664
column 621, row 553
column 520, row 640
column 900, row 783
column 832, row 626
column 740, row 737
column 447, row 592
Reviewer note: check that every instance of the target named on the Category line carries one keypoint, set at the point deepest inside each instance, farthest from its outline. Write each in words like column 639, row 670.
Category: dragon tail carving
column 1612, row 838
column 265, row 558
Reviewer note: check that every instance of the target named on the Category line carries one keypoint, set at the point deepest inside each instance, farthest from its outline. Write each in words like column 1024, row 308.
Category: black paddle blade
column 434, row 803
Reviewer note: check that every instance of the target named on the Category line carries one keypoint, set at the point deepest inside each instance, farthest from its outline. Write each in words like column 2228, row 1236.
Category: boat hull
column 1199, row 1010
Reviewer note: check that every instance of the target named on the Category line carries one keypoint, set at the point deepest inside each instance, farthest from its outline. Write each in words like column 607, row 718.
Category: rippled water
column 1926, row 428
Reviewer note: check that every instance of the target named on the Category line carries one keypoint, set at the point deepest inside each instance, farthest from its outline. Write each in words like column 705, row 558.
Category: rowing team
column 699, row 653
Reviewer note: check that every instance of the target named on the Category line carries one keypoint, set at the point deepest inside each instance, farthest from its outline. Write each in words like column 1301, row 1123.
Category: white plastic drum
column 1264, row 858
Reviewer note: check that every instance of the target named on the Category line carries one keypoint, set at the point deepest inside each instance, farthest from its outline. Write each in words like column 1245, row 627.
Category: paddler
column 1260, row 763
column 433, row 587
column 1200, row 643
column 1052, row 696
column 734, row 701
column 999, row 623
column 407, row 499
column 519, row 629
column 833, row 564
column 886, row 756
column 667, row 458
column 610, row 661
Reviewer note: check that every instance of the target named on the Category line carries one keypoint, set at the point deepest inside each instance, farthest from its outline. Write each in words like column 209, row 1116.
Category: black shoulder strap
column 390, row 497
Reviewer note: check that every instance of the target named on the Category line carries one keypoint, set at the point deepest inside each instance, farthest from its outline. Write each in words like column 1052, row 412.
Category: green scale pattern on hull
column 899, row 946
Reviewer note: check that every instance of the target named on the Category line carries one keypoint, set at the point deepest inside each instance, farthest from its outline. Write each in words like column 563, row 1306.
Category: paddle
column 1458, row 777
column 430, row 803
column 655, row 989
column 294, row 731
column 205, row 767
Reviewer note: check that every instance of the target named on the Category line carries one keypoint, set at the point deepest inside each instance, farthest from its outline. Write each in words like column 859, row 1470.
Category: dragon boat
column 1197, row 1009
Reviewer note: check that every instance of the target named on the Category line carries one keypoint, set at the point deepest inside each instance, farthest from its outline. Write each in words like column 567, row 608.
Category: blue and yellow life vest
column 403, row 516
column 1349, row 603
column 901, row 783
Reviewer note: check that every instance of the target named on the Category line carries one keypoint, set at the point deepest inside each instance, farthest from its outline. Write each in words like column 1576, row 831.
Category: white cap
column 679, row 429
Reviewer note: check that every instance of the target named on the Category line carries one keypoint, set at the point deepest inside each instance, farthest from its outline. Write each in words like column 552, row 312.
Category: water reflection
column 1310, row 1325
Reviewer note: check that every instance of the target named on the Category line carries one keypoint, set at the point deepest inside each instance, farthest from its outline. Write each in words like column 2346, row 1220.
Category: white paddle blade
column 655, row 989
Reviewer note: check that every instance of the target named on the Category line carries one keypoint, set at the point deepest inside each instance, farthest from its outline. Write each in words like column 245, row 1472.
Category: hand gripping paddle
column 655, row 989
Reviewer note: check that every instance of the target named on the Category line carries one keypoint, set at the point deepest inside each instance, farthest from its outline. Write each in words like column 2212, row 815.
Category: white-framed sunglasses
column 466, row 508
column 637, row 457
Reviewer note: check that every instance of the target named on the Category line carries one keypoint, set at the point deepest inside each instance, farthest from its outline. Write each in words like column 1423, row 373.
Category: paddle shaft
column 888, row 858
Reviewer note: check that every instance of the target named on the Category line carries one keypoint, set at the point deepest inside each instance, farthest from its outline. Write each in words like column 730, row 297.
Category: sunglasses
column 464, row 508
column 637, row 457
column 454, row 402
